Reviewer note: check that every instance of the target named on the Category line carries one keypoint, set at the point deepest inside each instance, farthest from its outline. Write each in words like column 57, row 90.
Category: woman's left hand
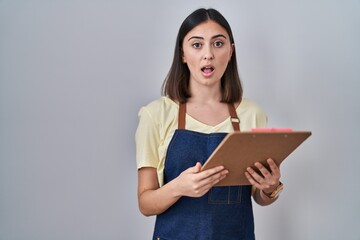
column 270, row 179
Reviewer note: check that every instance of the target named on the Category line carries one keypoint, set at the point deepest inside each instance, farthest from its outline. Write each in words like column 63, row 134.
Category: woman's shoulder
column 161, row 104
column 247, row 103
column 160, row 108
column 249, row 106
column 251, row 115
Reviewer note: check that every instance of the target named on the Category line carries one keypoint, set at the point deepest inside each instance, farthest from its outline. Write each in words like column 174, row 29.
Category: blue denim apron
column 222, row 213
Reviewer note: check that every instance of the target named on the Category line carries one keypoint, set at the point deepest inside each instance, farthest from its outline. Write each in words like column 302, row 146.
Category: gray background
column 73, row 75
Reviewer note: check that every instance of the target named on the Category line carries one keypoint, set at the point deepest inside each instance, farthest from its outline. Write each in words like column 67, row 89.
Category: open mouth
column 207, row 69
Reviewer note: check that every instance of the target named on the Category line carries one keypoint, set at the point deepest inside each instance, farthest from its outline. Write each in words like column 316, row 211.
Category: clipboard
column 240, row 150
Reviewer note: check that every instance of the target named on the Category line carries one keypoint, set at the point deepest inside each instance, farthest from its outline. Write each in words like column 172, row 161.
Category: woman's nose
column 208, row 54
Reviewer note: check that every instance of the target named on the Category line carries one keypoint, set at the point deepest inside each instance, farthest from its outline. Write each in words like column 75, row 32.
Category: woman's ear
column 182, row 56
column 231, row 50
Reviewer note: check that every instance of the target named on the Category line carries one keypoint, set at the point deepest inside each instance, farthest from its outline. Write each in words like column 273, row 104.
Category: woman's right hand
column 192, row 182
column 195, row 183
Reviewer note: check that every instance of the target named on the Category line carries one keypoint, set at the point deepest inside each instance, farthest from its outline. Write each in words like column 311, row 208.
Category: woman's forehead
column 207, row 29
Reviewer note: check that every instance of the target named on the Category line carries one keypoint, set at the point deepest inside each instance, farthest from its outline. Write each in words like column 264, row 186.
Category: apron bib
column 222, row 213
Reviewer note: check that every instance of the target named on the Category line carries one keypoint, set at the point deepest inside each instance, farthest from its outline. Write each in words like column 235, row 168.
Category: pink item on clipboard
column 271, row 129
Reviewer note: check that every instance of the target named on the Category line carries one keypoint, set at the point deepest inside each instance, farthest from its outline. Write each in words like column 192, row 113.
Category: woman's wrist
column 270, row 190
column 275, row 191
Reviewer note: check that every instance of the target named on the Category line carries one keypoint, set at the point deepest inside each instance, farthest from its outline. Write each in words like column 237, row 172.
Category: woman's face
column 206, row 51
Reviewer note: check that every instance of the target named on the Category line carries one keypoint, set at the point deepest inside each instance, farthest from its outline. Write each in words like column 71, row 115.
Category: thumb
column 194, row 169
column 197, row 167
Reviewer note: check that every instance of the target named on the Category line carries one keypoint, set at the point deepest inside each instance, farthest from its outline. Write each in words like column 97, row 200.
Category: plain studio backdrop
column 73, row 75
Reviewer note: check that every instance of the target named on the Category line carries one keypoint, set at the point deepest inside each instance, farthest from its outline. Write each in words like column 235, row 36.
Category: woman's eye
column 218, row 44
column 197, row 45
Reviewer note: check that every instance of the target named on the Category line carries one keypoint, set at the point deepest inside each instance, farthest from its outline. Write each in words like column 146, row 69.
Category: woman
column 179, row 131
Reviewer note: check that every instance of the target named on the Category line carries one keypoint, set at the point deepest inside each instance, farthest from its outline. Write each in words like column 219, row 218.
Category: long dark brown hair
column 176, row 84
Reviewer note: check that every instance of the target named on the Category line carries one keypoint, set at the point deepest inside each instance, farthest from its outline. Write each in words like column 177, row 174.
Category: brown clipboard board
column 240, row 150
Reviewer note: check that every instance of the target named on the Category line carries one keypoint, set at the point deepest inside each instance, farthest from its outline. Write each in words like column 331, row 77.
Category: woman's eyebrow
column 215, row 36
column 218, row 35
column 195, row 37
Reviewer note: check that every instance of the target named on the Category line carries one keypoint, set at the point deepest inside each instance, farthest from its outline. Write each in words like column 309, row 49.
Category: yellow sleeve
column 261, row 119
column 147, row 140
column 251, row 115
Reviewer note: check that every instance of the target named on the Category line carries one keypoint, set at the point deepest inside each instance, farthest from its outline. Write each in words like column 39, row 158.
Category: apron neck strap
column 235, row 121
column 182, row 115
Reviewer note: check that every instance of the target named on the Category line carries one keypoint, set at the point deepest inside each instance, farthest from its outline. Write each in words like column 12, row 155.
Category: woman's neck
column 205, row 94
